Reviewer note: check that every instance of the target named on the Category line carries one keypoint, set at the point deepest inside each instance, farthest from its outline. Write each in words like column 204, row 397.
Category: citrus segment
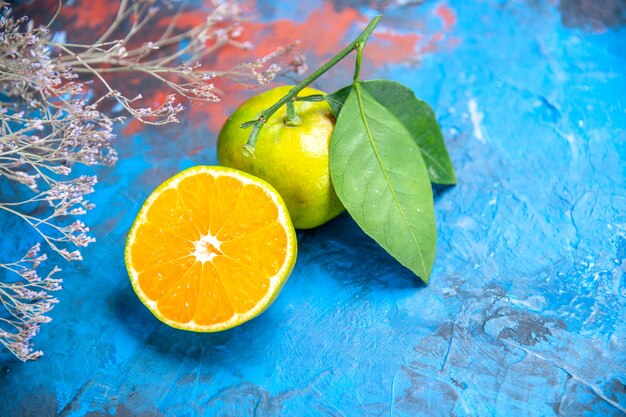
column 249, row 288
column 217, row 307
column 191, row 188
column 179, row 301
column 223, row 199
column 246, row 249
column 249, row 202
column 156, row 280
column 159, row 247
column 210, row 249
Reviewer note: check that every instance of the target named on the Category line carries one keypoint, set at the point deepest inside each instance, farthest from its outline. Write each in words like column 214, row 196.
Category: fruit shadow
column 440, row 189
column 150, row 333
column 352, row 258
column 340, row 248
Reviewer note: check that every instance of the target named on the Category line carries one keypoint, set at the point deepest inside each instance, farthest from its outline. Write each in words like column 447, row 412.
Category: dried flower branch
column 49, row 122
column 26, row 302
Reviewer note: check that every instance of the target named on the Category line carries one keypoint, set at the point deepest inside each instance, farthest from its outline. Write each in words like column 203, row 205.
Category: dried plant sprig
column 51, row 95
column 46, row 126
column 26, row 301
column 179, row 68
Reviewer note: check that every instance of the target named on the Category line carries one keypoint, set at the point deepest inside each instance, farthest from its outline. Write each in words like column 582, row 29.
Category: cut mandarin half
column 210, row 249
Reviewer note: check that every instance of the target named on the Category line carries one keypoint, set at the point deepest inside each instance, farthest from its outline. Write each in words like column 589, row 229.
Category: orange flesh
column 207, row 249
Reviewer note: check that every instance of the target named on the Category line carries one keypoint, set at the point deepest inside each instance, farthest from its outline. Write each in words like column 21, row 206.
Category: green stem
column 312, row 98
column 292, row 119
column 357, row 66
column 267, row 113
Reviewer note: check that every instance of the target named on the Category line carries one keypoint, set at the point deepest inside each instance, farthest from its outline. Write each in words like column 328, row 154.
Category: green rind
column 307, row 190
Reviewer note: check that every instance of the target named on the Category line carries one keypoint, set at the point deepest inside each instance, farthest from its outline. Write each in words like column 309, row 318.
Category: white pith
column 202, row 254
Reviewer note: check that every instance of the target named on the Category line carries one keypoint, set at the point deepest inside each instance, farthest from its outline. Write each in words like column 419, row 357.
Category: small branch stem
column 266, row 114
column 357, row 66
column 311, row 98
column 292, row 118
column 121, row 13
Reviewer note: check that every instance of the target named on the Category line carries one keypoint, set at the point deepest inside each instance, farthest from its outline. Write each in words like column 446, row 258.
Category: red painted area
column 91, row 14
column 433, row 43
column 447, row 15
column 321, row 34
column 186, row 20
column 132, row 127
column 389, row 47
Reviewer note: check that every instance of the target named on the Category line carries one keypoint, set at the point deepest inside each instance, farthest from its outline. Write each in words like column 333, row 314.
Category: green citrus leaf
column 336, row 99
column 418, row 118
column 380, row 177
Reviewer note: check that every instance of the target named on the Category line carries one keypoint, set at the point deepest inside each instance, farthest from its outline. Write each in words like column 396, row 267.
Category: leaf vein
column 374, row 148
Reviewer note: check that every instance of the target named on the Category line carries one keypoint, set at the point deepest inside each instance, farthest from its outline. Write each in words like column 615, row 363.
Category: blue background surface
column 525, row 313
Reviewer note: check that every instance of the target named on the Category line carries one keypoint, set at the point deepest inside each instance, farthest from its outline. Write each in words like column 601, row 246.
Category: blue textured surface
column 526, row 307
